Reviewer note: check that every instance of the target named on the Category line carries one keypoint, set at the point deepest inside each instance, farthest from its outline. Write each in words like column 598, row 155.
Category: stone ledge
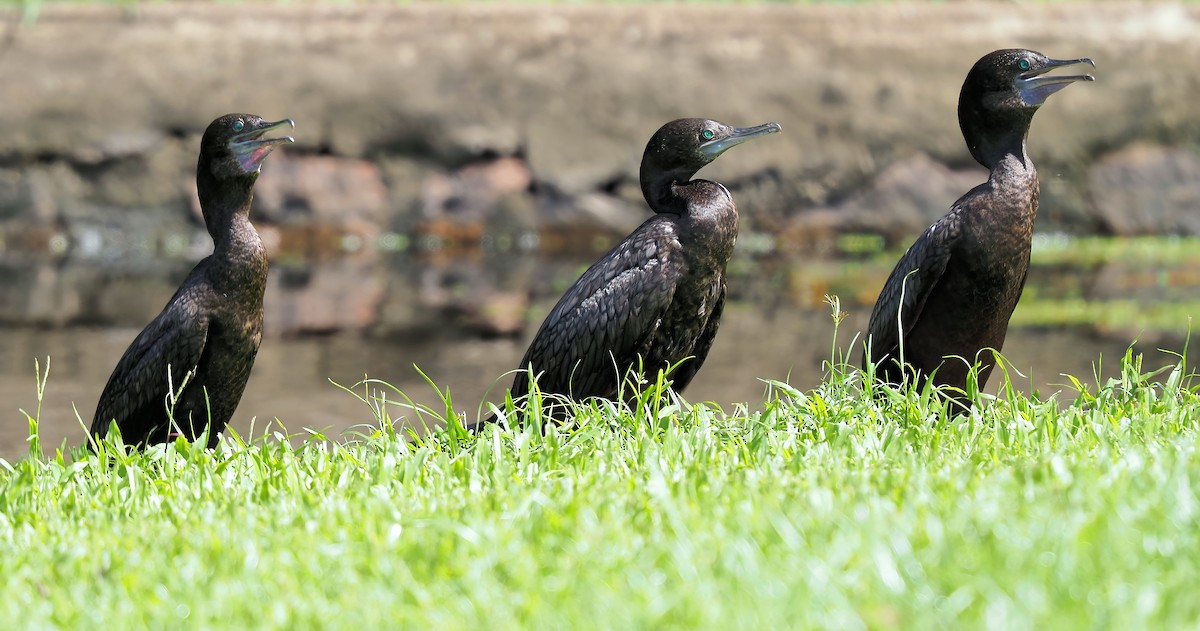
column 96, row 96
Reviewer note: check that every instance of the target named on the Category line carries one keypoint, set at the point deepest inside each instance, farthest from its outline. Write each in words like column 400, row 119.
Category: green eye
column 1023, row 64
column 238, row 126
column 707, row 134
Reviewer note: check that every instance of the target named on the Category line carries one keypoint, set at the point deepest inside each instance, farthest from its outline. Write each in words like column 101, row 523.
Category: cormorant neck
column 991, row 149
column 666, row 191
column 993, row 126
column 225, row 203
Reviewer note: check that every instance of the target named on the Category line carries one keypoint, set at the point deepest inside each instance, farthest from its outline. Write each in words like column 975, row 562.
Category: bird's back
column 607, row 318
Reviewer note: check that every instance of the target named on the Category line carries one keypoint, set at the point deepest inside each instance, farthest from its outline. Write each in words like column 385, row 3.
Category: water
column 466, row 321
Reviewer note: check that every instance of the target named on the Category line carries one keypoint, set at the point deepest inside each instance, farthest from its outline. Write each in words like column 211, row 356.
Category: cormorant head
column 1004, row 89
column 682, row 147
column 233, row 145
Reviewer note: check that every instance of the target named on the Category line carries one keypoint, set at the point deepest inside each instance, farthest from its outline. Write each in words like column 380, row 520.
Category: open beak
column 250, row 147
column 1035, row 86
column 717, row 146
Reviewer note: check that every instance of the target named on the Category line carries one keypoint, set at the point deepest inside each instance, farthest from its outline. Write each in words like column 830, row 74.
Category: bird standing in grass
column 947, row 303
column 655, row 299
column 186, row 371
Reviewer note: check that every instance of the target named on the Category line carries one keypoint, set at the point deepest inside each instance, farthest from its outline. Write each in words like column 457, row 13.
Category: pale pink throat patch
column 252, row 160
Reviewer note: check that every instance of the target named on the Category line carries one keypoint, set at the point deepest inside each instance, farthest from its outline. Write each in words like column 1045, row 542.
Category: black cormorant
column 195, row 357
column 948, row 301
column 656, row 298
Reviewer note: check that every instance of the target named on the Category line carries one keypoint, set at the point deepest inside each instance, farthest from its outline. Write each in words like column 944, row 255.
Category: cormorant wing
column 599, row 327
column 135, row 395
column 904, row 294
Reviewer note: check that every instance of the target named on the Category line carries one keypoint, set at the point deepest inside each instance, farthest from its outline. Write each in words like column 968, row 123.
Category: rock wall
column 460, row 121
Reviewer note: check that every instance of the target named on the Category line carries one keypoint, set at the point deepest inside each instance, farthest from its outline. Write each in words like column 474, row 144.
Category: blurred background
column 457, row 166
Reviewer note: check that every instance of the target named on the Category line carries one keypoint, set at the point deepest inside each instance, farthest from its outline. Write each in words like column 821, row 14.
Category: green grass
column 841, row 507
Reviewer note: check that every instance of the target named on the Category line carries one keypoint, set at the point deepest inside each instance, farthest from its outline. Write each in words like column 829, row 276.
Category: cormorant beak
column 1035, row 88
column 250, row 147
column 715, row 147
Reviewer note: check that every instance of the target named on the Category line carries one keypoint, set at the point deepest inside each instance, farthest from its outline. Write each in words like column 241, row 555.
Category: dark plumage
column 212, row 326
column 656, row 298
column 952, row 293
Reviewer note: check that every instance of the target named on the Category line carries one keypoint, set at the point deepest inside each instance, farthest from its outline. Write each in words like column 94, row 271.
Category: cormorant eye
column 238, row 125
column 707, row 134
column 1023, row 64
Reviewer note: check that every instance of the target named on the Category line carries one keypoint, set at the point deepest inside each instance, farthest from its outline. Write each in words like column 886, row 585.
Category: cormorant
column 655, row 299
column 948, row 301
column 185, row 372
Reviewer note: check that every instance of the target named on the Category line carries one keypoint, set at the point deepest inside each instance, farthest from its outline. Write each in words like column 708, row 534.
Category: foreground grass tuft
column 832, row 508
